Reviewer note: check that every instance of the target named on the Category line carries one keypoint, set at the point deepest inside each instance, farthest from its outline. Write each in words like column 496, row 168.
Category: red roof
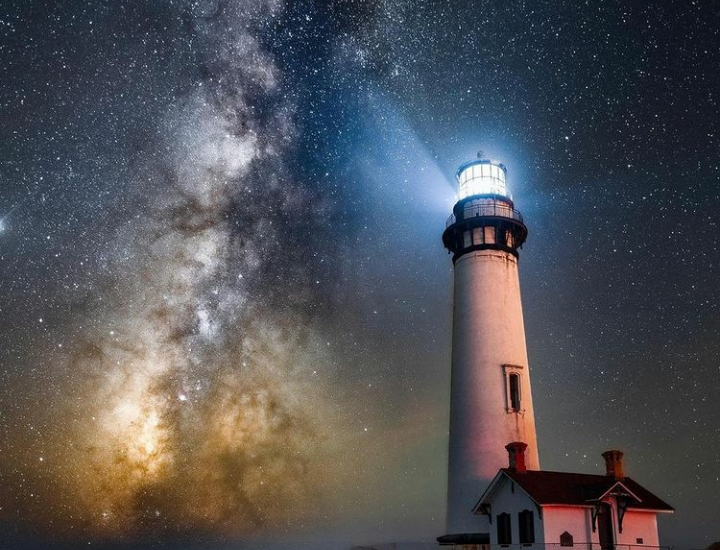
column 581, row 489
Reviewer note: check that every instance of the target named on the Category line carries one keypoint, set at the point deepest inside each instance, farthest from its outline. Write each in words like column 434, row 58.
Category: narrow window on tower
column 501, row 236
column 527, row 527
column 504, row 532
column 467, row 239
column 514, row 387
column 490, row 235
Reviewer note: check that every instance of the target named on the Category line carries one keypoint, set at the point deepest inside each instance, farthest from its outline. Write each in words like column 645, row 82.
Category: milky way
column 192, row 401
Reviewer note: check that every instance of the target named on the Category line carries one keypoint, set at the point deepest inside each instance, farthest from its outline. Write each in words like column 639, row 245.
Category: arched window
column 504, row 531
column 527, row 527
column 514, row 387
column 566, row 539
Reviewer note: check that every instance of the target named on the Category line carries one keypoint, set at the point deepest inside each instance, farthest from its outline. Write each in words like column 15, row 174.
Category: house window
column 527, row 527
column 504, row 533
column 514, row 383
column 566, row 539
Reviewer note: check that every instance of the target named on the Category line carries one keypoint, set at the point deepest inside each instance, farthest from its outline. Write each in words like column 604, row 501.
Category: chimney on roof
column 614, row 464
column 516, row 455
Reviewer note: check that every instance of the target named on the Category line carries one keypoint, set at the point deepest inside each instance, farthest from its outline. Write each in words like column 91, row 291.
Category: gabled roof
column 548, row 488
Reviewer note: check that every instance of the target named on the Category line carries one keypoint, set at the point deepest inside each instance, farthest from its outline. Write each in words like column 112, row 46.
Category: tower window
column 504, row 532
column 527, row 527
column 501, row 236
column 514, row 387
column 512, row 375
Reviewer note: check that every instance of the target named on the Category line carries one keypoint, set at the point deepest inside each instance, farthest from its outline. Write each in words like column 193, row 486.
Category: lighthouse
column 491, row 402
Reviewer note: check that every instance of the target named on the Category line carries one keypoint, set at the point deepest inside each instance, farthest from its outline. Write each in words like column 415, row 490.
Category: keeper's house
column 528, row 507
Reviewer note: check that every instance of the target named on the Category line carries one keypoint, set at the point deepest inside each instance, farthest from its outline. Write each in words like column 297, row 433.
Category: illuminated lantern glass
column 482, row 177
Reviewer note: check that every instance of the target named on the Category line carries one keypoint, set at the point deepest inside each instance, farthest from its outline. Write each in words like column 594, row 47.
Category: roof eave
column 630, row 508
column 487, row 492
column 492, row 485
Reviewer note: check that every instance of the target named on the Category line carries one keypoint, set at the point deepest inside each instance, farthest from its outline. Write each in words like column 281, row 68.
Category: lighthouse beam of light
column 403, row 171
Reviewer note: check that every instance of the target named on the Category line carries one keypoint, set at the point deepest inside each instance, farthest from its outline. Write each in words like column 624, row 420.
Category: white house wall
column 578, row 522
column 639, row 525
column 574, row 520
column 506, row 501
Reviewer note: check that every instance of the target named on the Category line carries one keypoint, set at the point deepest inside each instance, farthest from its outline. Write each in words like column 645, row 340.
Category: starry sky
column 225, row 308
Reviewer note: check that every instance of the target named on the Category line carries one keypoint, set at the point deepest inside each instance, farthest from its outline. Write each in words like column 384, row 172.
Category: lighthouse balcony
column 484, row 222
column 491, row 210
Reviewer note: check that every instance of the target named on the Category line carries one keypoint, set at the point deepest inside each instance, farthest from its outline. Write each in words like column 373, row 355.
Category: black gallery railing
column 486, row 211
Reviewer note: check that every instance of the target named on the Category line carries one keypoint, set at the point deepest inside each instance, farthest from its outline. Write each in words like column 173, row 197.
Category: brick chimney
column 516, row 455
column 614, row 464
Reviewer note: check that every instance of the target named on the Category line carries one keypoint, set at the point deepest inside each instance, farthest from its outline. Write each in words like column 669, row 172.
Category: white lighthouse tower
column 491, row 403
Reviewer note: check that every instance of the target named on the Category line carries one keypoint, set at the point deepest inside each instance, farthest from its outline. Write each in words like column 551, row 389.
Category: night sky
column 225, row 308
